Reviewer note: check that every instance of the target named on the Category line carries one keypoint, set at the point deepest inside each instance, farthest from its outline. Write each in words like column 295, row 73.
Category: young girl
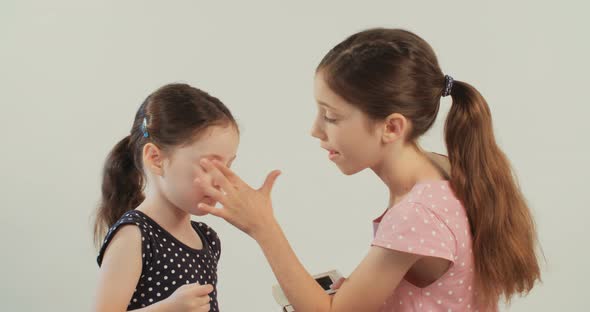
column 153, row 257
column 456, row 244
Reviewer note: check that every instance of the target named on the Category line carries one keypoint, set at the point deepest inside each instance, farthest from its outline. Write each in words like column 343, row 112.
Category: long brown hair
column 171, row 116
column 385, row 71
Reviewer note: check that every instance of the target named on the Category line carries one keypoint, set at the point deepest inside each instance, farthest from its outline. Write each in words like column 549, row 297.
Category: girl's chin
column 198, row 212
column 349, row 171
column 195, row 211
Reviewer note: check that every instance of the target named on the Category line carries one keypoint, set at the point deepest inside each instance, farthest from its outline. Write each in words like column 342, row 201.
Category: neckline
column 415, row 186
column 432, row 181
column 176, row 240
column 410, row 192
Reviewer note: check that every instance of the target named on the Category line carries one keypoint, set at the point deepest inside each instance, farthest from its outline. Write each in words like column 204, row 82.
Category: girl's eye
column 329, row 119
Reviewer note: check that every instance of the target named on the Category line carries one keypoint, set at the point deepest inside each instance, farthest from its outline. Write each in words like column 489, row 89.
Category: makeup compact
column 325, row 280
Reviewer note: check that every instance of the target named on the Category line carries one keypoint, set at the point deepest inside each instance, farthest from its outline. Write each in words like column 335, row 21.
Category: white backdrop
column 73, row 73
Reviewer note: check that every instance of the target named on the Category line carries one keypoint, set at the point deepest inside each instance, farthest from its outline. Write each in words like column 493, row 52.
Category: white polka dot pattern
column 168, row 263
column 430, row 221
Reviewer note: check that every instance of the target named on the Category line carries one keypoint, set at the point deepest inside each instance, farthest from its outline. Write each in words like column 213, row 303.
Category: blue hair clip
column 144, row 128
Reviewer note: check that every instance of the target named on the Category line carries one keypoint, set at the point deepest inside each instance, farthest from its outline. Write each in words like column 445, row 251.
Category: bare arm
column 120, row 271
column 250, row 210
column 367, row 288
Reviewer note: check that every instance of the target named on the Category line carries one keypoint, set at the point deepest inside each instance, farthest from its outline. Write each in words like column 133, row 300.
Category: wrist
column 266, row 231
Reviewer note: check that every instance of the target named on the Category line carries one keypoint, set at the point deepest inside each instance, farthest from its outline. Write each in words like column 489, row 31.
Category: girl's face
column 353, row 142
column 182, row 167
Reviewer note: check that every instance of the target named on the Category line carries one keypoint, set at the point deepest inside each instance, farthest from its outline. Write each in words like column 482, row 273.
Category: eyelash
column 330, row 120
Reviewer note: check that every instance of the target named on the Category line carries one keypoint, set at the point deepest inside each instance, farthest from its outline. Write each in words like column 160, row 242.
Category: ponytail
column 122, row 185
column 171, row 116
column 383, row 71
column 503, row 230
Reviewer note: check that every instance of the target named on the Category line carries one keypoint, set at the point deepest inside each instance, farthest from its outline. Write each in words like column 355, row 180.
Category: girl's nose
column 317, row 132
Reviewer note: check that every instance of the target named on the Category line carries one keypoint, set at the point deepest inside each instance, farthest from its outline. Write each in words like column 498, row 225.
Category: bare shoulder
column 120, row 270
column 125, row 245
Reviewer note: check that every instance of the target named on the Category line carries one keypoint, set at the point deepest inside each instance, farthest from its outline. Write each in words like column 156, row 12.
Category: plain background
column 73, row 73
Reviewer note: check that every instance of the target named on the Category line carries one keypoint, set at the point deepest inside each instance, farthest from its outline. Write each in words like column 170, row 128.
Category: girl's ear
column 394, row 127
column 153, row 159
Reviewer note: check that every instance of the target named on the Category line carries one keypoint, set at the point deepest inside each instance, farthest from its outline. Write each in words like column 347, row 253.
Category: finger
column 226, row 171
column 270, row 181
column 218, row 212
column 205, row 308
column 203, row 300
column 218, row 177
column 210, row 191
column 338, row 283
column 202, row 290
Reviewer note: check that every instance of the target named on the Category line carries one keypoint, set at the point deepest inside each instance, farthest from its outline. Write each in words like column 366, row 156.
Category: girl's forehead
column 328, row 99
column 218, row 141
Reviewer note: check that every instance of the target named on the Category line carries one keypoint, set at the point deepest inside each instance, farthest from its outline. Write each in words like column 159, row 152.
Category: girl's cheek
column 197, row 172
column 204, row 178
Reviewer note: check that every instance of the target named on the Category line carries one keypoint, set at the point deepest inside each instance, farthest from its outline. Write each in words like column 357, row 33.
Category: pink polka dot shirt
column 430, row 221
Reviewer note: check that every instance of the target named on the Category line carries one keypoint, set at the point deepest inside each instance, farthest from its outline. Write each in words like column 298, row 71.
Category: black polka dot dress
column 167, row 263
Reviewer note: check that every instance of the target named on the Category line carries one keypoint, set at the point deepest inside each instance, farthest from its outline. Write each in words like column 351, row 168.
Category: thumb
column 270, row 181
column 338, row 283
column 202, row 290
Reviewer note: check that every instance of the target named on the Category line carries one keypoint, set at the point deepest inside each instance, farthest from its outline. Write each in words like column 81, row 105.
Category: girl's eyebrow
column 326, row 105
column 215, row 156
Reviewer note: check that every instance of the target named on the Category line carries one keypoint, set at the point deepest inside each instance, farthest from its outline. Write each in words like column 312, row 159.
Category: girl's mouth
column 333, row 154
